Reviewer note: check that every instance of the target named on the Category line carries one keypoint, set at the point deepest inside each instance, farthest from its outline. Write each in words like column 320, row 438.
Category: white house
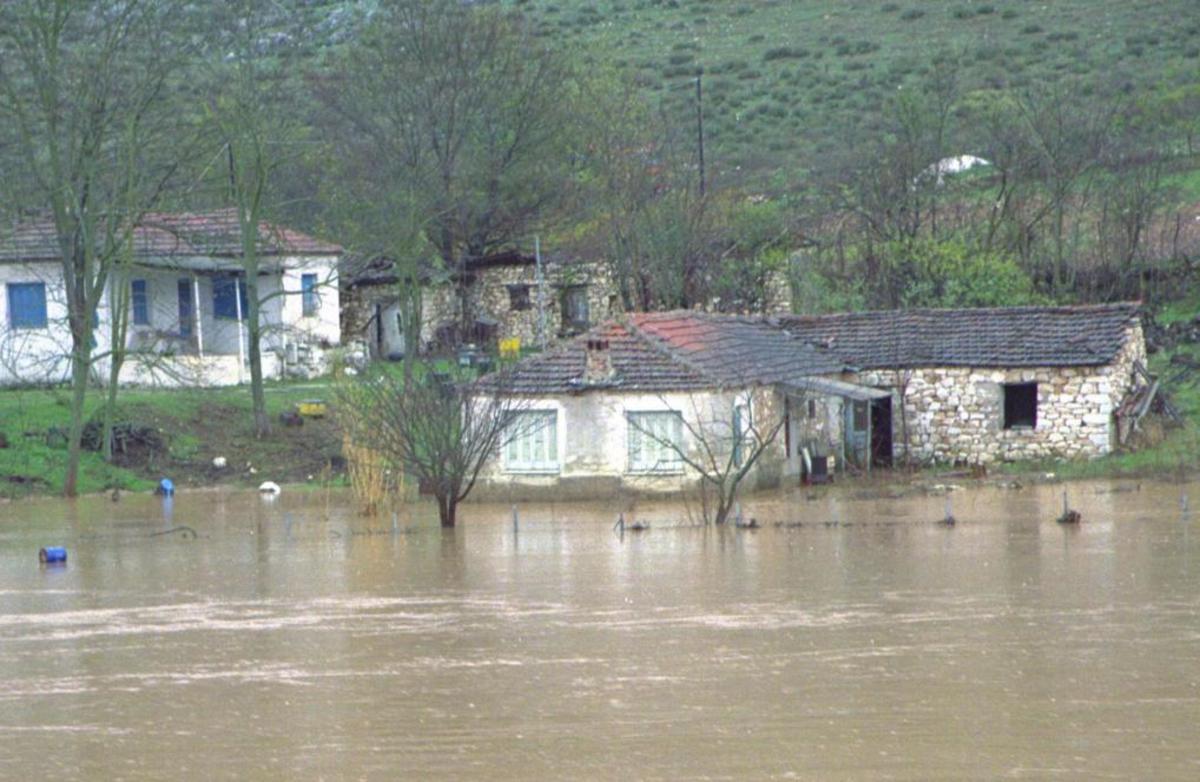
column 624, row 407
column 187, row 321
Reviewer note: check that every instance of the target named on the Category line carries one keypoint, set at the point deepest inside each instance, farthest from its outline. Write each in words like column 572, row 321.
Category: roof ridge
column 934, row 311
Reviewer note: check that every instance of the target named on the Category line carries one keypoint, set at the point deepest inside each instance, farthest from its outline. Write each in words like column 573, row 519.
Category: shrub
column 912, row 14
column 785, row 53
column 950, row 274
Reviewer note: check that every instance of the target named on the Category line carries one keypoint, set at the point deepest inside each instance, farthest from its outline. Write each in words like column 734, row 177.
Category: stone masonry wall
column 490, row 296
column 956, row 414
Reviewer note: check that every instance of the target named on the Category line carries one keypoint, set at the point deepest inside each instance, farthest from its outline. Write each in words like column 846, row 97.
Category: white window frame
column 535, row 448
column 646, row 455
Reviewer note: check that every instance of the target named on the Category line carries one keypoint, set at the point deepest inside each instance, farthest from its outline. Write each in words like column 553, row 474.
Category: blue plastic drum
column 53, row 555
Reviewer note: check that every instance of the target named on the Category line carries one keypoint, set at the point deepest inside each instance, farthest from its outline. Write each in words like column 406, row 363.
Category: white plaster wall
column 593, row 432
column 35, row 355
column 41, row 356
column 325, row 324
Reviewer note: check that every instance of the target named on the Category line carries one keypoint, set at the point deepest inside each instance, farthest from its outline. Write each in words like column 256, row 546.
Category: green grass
column 841, row 60
column 199, row 424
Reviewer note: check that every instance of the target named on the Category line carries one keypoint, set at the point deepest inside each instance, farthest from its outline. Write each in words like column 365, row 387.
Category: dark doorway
column 881, row 432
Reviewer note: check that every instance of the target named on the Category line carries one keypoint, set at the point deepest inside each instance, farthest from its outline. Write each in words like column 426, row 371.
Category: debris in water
column 1069, row 515
column 53, row 555
column 270, row 488
column 165, row 488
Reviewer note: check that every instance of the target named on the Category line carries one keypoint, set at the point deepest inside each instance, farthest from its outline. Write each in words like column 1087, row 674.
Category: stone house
column 997, row 384
column 187, row 303
column 502, row 297
column 851, row 391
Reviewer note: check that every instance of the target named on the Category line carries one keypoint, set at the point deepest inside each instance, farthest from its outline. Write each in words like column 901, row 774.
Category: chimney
column 598, row 366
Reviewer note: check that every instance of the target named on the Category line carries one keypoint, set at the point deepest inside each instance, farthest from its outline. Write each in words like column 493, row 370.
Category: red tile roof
column 680, row 351
column 161, row 234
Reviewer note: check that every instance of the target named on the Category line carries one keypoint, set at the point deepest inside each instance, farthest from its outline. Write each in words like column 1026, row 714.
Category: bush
column 785, row 53
column 950, row 274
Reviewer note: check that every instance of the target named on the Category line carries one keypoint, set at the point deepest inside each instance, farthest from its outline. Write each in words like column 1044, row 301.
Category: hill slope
column 786, row 80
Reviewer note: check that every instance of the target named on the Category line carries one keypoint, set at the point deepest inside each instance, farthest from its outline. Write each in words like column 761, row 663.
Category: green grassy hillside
column 787, row 81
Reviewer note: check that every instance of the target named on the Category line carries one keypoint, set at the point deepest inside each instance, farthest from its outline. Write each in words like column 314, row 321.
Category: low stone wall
column 956, row 414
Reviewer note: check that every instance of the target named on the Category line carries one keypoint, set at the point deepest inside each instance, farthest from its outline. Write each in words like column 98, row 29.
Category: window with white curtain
column 655, row 440
column 533, row 446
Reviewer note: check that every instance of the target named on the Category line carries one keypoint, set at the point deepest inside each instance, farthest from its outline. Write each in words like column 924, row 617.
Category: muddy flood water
column 294, row 640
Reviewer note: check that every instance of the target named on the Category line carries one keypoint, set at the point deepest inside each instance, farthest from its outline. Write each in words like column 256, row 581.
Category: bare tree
column 720, row 442
column 443, row 429
column 250, row 118
column 82, row 90
column 463, row 107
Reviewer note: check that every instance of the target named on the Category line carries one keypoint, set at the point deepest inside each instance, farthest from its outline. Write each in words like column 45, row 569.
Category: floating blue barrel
column 53, row 555
column 165, row 487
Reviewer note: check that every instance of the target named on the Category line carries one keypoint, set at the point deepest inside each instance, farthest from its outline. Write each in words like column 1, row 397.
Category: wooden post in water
column 1069, row 516
column 516, row 522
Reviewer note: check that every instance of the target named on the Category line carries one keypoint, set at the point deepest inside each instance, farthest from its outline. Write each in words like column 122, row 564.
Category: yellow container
column 510, row 348
column 312, row 408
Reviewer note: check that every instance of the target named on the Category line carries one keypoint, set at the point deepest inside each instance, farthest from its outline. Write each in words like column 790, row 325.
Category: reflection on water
column 856, row 639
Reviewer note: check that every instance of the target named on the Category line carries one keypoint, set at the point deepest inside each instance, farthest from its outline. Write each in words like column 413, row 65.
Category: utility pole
column 541, row 292
column 700, row 130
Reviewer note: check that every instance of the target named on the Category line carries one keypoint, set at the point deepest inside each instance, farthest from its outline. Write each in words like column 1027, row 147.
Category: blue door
column 186, row 311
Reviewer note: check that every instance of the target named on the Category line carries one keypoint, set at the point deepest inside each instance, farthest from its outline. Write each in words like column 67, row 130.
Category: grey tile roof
column 686, row 351
column 987, row 337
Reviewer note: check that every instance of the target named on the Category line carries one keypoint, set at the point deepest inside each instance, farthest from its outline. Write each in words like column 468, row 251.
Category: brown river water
column 294, row 640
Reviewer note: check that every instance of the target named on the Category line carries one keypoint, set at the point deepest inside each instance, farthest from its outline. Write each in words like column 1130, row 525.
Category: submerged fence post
column 948, row 519
column 516, row 521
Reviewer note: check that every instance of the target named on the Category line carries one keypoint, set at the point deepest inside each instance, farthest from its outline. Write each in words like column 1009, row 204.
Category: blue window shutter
column 308, row 293
column 27, row 305
column 141, row 306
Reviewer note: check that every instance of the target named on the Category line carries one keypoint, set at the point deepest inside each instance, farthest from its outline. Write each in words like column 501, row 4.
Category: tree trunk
column 262, row 424
column 110, row 410
column 80, row 363
column 447, row 509
column 724, row 505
